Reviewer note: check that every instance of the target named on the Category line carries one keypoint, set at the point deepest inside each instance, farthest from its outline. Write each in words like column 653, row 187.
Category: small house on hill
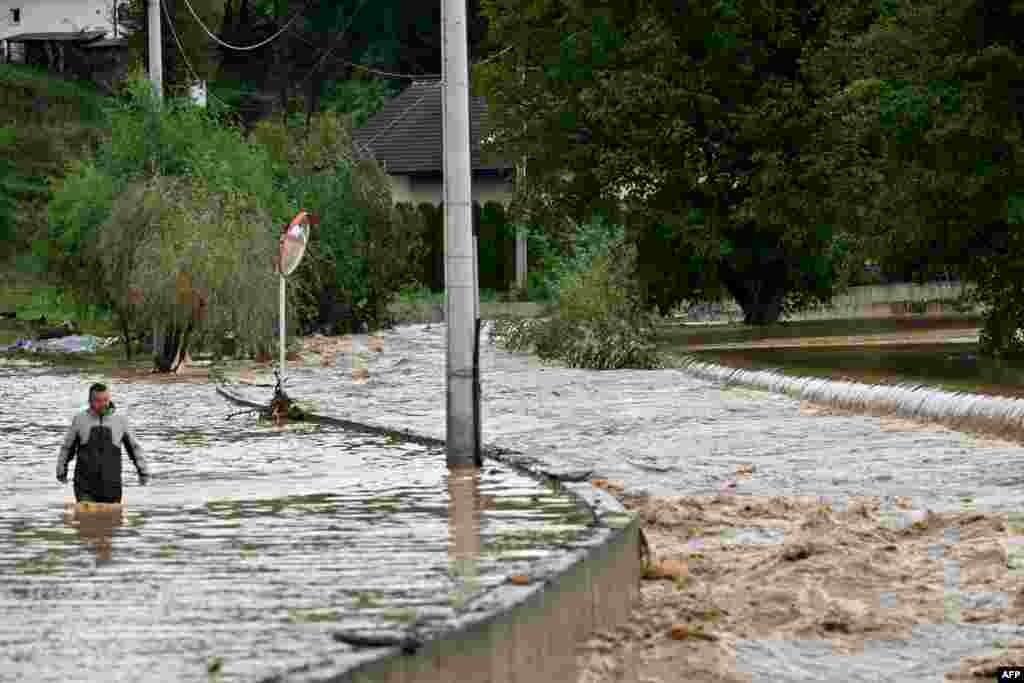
column 406, row 138
column 78, row 39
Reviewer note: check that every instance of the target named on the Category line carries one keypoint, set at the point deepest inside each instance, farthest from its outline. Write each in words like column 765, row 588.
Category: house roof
column 108, row 42
column 406, row 135
column 75, row 36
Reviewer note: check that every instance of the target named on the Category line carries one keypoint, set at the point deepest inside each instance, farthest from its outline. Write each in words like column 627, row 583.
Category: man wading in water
column 95, row 437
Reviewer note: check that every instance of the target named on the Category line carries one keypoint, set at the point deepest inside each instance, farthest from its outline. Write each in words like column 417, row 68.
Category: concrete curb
column 994, row 415
column 530, row 632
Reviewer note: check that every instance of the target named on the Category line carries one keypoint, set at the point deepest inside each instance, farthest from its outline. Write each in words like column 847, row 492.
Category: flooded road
column 667, row 433
column 250, row 546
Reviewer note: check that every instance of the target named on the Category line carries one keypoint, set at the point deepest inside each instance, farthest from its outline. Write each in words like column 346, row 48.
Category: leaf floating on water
column 610, row 486
column 686, row 632
column 672, row 569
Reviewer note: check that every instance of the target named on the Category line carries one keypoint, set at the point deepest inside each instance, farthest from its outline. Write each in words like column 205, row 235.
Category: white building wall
column 431, row 191
column 52, row 16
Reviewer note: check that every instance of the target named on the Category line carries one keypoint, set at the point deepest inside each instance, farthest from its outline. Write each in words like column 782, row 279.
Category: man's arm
column 67, row 451
column 135, row 452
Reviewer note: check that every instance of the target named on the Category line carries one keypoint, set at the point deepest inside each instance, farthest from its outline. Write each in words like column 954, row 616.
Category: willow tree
column 188, row 263
column 172, row 226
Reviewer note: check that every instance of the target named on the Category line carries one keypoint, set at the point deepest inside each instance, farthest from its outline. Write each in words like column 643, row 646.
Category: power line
column 184, row 57
column 241, row 48
column 388, row 74
column 337, row 41
column 414, row 77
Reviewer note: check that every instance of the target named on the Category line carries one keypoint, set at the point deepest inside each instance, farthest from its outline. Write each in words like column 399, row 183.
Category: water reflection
column 465, row 506
column 95, row 523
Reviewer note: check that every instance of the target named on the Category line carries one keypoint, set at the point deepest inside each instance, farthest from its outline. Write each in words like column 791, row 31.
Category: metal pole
column 281, row 327
column 460, row 284
column 156, row 62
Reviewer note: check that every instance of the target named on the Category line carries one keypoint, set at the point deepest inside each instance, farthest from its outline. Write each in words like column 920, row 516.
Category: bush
column 596, row 320
column 365, row 250
column 8, row 206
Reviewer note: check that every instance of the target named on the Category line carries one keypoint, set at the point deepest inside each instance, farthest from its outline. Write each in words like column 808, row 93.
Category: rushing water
column 911, row 401
column 250, row 545
column 951, row 363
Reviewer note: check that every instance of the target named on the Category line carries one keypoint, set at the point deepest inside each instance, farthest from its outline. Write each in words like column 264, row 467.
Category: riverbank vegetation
column 768, row 151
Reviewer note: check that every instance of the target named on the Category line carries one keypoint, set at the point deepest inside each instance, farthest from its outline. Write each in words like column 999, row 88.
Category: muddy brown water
column 251, row 545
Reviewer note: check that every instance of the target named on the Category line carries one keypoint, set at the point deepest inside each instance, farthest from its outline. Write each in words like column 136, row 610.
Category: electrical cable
column 337, row 41
column 241, row 48
column 414, row 77
column 184, row 57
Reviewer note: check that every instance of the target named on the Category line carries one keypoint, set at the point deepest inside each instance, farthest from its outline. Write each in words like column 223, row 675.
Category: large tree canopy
column 921, row 138
column 686, row 119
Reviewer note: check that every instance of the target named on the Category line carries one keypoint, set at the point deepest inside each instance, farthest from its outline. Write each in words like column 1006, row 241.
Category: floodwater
column 670, row 433
column 251, row 545
column 957, row 364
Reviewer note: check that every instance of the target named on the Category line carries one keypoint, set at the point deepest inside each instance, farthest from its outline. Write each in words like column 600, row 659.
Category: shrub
column 365, row 250
column 596, row 320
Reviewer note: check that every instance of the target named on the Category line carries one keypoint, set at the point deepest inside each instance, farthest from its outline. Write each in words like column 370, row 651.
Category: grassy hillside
column 45, row 122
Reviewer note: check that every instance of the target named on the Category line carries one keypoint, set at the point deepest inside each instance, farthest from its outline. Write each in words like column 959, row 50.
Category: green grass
column 64, row 96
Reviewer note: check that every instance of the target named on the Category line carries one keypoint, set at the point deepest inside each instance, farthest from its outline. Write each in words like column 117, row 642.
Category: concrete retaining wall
column 534, row 639
column 879, row 301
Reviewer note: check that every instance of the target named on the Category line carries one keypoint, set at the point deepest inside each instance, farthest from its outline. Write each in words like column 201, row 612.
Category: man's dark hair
column 97, row 388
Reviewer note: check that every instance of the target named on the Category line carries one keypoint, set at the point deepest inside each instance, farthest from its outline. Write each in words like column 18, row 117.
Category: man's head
column 99, row 398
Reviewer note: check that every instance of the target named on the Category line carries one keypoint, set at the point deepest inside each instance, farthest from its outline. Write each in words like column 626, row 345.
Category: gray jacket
column 96, row 440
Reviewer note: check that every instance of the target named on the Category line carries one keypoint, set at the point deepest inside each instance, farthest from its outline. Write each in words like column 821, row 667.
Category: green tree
column 200, row 57
column 920, row 139
column 172, row 226
column 365, row 250
column 685, row 120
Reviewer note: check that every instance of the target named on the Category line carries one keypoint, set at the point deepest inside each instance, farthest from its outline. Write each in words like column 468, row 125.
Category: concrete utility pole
column 156, row 61
column 463, row 410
